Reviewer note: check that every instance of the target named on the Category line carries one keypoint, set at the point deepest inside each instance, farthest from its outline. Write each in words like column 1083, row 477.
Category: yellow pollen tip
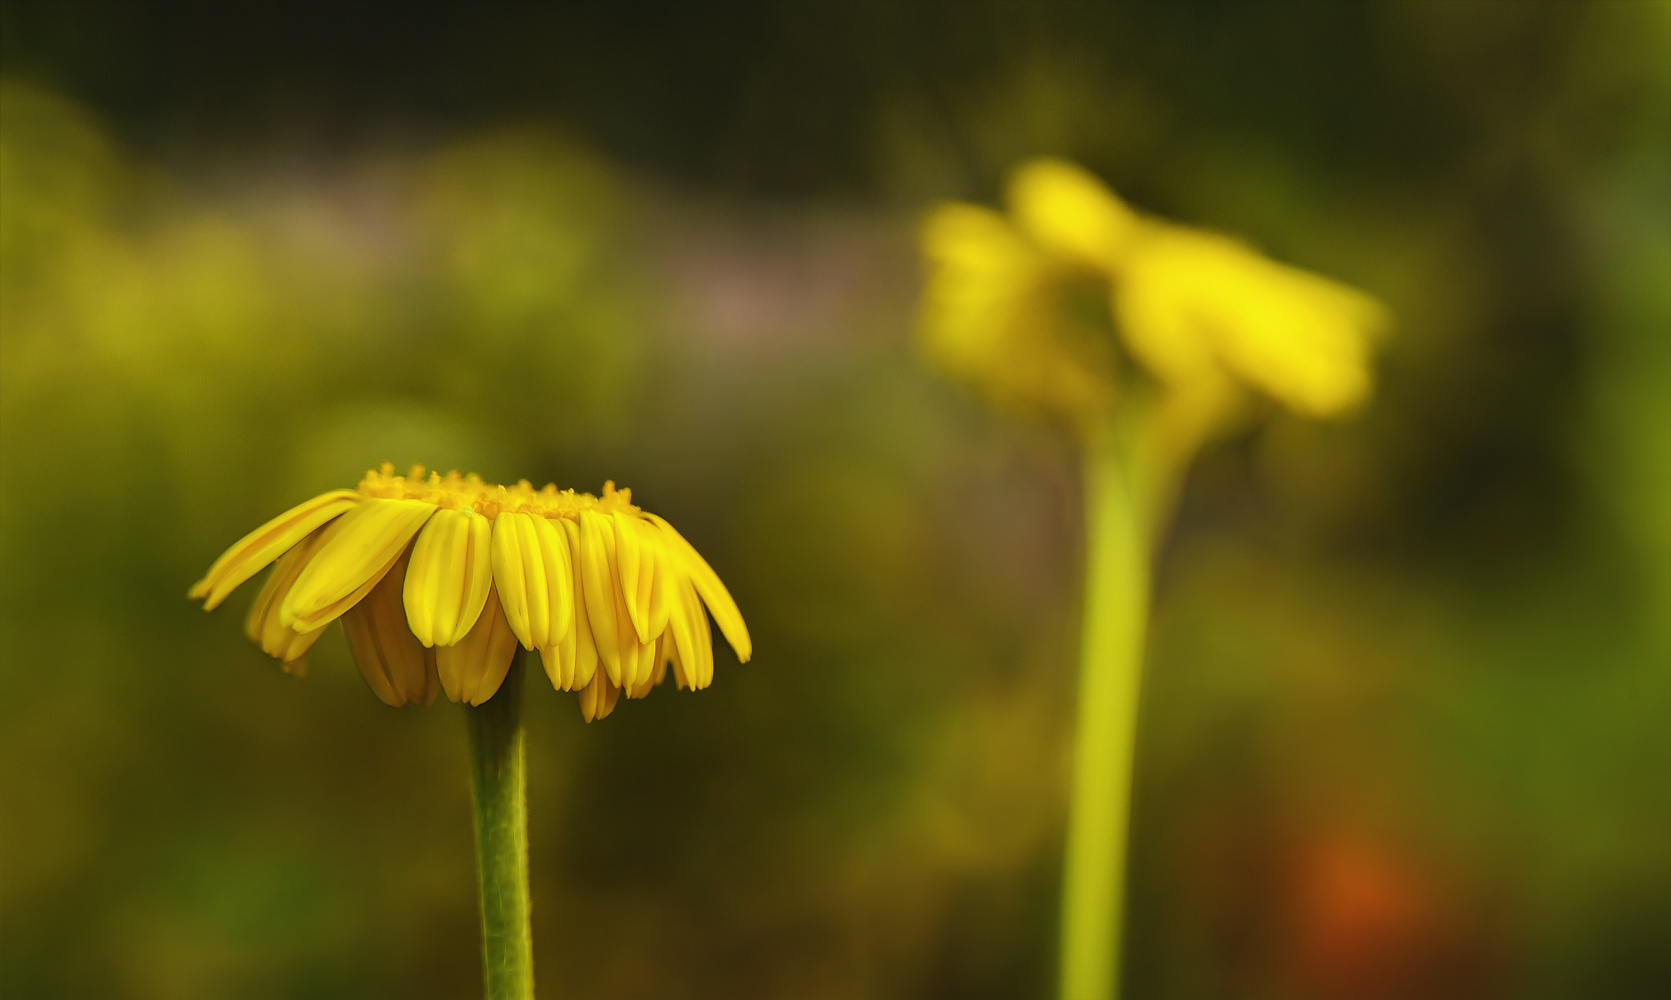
column 471, row 494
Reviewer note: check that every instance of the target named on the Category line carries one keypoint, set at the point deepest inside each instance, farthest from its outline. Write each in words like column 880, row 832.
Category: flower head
column 1196, row 310
column 991, row 316
column 438, row 579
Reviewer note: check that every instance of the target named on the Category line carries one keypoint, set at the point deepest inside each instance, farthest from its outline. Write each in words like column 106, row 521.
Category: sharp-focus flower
column 1195, row 309
column 437, row 580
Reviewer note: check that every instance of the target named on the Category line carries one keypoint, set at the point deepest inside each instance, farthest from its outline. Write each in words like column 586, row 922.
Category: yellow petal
column 634, row 656
column 661, row 567
column 571, row 661
column 683, row 621
column 1156, row 316
column 448, row 576
column 1070, row 213
column 597, row 699
column 1192, row 303
column 396, row 665
column 700, row 662
column 532, row 566
column 597, row 576
column 509, row 576
column 712, row 591
column 670, row 650
column 292, row 653
column 652, row 670
column 980, row 275
column 1299, row 337
column 252, row 553
column 262, row 624
column 472, row 670
column 558, row 667
column 630, row 570
column 578, row 643
column 373, row 536
column 559, row 657
column 278, row 583
column 646, row 658
column 559, row 568
column 659, row 673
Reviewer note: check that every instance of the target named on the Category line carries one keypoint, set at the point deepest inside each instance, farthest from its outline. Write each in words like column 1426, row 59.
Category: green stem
column 498, row 790
column 1116, row 611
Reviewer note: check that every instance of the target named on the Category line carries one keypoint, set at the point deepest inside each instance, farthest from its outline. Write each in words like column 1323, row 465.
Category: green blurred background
column 1407, row 725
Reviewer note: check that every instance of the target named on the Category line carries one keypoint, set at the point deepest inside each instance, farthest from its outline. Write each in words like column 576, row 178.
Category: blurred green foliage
column 1408, row 723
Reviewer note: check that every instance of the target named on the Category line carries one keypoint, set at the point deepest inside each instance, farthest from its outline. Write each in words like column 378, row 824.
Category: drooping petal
column 252, row 553
column 1153, row 304
column 637, row 657
column 598, row 577
column 509, row 576
column 597, row 699
column 559, row 570
column 702, row 669
column 558, row 667
column 277, row 584
column 572, row 663
column 682, row 622
column 392, row 660
column 709, row 587
column 532, row 567
column 1191, row 304
column 634, row 575
column 663, row 569
column 1299, row 337
column 472, row 669
column 662, row 659
column 645, row 659
column 652, row 674
column 373, row 536
column 692, row 637
column 448, row 576
column 670, row 650
column 1070, row 213
column 262, row 625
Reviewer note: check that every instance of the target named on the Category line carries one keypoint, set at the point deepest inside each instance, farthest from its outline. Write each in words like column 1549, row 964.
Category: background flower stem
column 498, row 791
column 1116, row 611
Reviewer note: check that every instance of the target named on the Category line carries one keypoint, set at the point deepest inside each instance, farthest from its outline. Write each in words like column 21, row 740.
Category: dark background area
column 781, row 103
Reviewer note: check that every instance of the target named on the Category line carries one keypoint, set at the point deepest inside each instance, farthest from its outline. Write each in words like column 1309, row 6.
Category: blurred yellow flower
column 1193, row 308
column 990, row 316
column 1203, row 318
column 438, row 579
column 1070, row 214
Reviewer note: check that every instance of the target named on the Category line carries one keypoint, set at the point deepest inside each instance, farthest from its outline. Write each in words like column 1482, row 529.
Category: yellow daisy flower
column 1202, row 319
column 1193, row 305
column 1197, row 310
column 438, row 579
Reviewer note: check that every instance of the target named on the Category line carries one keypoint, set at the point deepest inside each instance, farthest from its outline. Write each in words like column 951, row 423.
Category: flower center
column 472, row 495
